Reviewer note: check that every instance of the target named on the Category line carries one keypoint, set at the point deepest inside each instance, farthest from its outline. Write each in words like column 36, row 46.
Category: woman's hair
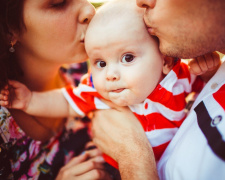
column 11, row 20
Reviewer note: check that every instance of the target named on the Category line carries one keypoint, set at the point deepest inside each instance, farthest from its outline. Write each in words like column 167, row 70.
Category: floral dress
column 24, row 158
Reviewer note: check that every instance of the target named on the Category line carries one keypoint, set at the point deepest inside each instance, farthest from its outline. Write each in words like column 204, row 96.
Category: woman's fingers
column 75, row 161
column 83, row 168
column 93, row 153
column 95, row 174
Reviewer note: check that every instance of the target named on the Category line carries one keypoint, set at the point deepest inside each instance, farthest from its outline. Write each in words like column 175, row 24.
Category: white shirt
column 197, row 151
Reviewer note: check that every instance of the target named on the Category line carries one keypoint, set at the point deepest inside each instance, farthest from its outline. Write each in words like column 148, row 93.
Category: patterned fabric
column 25, row 158
column 31, row 159
column 161, row 114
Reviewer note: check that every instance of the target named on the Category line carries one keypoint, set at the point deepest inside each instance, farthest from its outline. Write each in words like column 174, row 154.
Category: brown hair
column 11, row 20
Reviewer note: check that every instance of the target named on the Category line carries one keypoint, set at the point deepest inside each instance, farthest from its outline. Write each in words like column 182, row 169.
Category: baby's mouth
column 118, row 90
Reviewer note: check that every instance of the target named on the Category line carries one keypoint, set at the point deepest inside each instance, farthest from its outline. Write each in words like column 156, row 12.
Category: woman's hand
column 87, row 166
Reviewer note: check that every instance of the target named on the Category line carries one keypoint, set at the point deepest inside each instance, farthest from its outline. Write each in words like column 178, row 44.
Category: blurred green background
column 97, row 3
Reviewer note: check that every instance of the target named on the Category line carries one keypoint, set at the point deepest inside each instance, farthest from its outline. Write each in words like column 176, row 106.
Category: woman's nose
column 146, row 3
column 86, row 13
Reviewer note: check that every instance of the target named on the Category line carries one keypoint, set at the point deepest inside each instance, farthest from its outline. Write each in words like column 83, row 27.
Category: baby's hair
column 117, row 8
column 114, row 10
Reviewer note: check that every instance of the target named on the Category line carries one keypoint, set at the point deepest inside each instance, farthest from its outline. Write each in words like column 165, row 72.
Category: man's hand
column 119, row 134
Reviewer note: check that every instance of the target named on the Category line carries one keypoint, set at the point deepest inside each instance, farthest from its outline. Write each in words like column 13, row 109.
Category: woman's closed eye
column 58, row 4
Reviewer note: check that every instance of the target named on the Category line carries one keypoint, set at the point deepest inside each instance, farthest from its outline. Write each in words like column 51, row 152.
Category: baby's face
column 125, row 61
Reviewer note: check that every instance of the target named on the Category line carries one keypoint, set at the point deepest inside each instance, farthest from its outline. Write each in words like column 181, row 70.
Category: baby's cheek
column 139, row 96
column 102, row 92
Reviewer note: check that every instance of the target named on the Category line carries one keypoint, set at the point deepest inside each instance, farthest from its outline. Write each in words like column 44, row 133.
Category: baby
column 127, row 69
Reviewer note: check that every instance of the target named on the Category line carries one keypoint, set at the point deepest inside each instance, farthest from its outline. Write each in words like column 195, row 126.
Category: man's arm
column 119, row 134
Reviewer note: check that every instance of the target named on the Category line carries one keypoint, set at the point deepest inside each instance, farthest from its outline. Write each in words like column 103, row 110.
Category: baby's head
column 125, row 60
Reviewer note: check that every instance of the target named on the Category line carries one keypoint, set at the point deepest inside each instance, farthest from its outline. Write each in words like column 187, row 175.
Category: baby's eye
column 101, row 64
column 127, row 58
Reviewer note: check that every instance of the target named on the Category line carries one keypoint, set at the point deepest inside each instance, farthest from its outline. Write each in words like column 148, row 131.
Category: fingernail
column 99, row 159
column 91, row 147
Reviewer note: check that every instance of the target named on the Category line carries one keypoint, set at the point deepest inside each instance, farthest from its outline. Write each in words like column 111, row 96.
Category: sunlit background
column 98, row 3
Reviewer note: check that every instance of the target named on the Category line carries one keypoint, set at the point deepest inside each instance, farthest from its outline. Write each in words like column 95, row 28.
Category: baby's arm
column 46, row 104
column 205, row 66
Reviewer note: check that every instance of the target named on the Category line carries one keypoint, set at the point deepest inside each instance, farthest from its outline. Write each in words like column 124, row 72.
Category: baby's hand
column 19, row 93
column 203, row 64
column 4, row 96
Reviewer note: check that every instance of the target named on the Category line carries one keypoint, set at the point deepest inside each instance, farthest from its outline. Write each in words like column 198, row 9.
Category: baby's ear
column 168, row 63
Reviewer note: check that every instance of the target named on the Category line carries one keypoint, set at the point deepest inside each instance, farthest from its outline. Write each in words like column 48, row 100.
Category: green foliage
column 96, row 5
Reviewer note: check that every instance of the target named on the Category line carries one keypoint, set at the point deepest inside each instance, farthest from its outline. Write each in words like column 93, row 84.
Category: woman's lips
column 118, row 90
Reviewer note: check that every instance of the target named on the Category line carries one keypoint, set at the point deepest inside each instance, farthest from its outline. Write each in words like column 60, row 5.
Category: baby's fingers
column 209, row 60
column 4, row 92
column 4, row 103
column 4, row 100
column 194, row 67
column 216, row 59
column 212, row 60
column 4, row 97
column 202, row 63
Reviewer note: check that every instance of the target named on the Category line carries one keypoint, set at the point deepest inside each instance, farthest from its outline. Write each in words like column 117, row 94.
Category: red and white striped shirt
column 162, row 112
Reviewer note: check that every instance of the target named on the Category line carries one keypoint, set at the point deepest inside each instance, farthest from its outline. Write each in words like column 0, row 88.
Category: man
column 185, row 29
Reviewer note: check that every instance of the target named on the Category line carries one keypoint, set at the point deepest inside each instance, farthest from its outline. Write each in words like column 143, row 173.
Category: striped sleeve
column 83, row 98
column 173, row 89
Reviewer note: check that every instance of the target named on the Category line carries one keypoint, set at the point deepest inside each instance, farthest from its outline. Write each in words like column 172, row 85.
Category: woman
column 36, row 38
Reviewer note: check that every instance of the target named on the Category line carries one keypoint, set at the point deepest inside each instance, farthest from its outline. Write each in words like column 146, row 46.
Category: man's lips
column 151, row 30
column 118, row 90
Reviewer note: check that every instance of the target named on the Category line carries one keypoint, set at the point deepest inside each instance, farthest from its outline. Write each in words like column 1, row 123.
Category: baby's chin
column 121, row 102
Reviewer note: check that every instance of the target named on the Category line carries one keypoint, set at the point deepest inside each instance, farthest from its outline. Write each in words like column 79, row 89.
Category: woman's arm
column 37, row 128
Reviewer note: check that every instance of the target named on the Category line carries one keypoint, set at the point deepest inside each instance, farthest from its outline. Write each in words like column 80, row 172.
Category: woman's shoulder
column 9, row 129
